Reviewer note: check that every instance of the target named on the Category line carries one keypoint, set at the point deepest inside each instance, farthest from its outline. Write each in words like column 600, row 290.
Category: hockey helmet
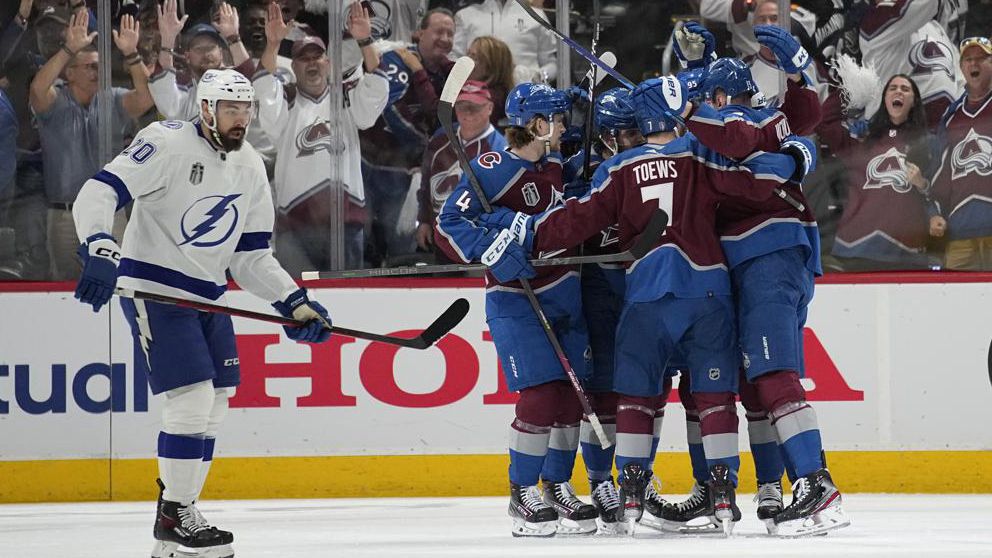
column 614, row 110
column 731, row 75
column 650, row 107
column 529, row 100
column 223, row 85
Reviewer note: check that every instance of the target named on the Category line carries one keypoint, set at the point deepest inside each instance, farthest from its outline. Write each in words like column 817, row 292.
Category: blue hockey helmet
column 528, row 100
column 731, row 75
column 650, row 108
column 693, row 80
column 614, row 110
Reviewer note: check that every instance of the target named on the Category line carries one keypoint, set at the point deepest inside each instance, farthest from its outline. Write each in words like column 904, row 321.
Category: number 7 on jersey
column 663, row 193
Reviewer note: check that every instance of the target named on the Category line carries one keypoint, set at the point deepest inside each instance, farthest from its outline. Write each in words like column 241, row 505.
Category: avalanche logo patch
column 972, row 154
column 210, row 221
column 489, row 159
column 313, row 138
column 886, row 171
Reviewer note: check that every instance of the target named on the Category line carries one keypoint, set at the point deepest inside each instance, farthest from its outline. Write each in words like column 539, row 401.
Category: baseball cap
column 305, row 42
column 474, row 92
column 59, row 14
column 204, row 29
column 982, row 42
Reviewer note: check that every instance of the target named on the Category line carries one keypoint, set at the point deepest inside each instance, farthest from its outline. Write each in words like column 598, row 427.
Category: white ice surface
column 883, row 525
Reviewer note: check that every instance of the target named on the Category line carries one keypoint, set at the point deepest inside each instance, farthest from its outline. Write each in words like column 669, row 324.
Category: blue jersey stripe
column 253, row 241
column 170, row 278
column 115, row 182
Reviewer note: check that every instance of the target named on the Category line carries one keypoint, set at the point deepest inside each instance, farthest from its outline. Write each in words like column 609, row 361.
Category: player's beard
column 233, row 143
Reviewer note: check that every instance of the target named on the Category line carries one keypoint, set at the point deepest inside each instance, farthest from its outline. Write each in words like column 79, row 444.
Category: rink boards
column 897, row 367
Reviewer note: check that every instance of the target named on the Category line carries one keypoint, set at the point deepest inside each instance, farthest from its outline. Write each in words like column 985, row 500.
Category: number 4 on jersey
column 464, row 201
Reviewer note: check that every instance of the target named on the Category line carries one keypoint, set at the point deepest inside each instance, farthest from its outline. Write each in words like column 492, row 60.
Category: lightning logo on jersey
column 210, row 221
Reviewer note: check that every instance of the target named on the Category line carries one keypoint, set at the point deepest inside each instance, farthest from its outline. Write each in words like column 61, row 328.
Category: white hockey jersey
column 198, row 212
column 300, row 128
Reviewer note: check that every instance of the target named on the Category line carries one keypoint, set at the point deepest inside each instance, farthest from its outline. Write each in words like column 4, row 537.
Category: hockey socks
column 635, row 432
column 793, row 419
column 693, row 434
column 599, row 461
column 528, row 449
column 718, row 426
column 180, row 461
column 563, row 444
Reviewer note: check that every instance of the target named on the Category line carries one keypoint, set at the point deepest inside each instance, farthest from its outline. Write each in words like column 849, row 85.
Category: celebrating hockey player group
column 720, row 301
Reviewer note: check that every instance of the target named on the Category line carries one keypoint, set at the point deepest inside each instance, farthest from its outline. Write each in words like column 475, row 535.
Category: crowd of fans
column 904, row 84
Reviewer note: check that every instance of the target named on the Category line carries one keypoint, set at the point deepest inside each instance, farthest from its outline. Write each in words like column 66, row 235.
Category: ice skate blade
column 572, row 527
column 165, row 549
column 708, row 528
column 523, row 528
column 652, row 521
column 613, row 528
column 817, row 524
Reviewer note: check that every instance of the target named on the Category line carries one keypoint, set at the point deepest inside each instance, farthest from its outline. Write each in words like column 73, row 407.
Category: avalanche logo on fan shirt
column 972, row 154
column 929, row 57
column 886, row 170
column 313, row 138
column 209, row 221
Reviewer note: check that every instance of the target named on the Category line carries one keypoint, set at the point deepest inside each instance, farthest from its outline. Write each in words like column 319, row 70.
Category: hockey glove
column 803, row 152
column 100, row 255
column 299, row 307
column 507, row 261
column 694, row 45
column 857, row 128
column 519, row 225
column 791, row 55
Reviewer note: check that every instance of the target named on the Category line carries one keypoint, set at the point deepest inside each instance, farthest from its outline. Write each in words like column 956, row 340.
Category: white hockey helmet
column 223, row 85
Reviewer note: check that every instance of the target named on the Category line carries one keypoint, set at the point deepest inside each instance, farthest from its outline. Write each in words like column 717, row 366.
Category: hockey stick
column 587, row 137
column 445, row 109
column 626, row 82
column 438, row 328
column 643, row 244
column 592, row 58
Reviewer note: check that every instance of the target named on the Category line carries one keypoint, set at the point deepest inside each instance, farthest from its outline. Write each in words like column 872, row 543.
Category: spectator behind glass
column 298, row 120
column 8, row 166
column 961, row 186
column 393, row 149
column 907, row 38
column 204, row 46
column 440, row 168
column 534, row 48
column 69, row 121
column 885, row 225
column 494, row 66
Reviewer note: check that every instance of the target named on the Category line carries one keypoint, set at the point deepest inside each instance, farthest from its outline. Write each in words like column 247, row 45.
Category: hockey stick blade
column 442, row 325
column 644, row 243
column 609, row 59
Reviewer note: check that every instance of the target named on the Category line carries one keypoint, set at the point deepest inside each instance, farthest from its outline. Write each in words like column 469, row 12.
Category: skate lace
column 531, row 498
column 697, row 496
column 565, row 494
column 769, row 492
column 192, row 520
column 653, row 491
column 801, row 492
column 607, row 495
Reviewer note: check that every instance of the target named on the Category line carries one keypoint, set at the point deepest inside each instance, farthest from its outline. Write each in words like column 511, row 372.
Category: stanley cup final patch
column 196, row 173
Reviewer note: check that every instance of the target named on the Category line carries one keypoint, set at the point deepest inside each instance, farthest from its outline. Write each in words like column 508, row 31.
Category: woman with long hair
column 885, row 224
column 494, row 66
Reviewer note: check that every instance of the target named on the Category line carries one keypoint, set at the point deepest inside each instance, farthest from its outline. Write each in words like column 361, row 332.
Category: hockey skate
column 684, row 517
column 531, row 516
column 182, row 532
column 723, row 498
column 769, row 500
column 654, row 505
column 815, row 508
column 633, row 485
column 575, row 517
column 607, row 502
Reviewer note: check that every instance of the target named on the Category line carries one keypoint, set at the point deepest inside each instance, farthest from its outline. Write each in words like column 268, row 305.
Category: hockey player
column 527, row 177
column 773, row 253
column 201, row 207
column 677, row 297
column 602, row 300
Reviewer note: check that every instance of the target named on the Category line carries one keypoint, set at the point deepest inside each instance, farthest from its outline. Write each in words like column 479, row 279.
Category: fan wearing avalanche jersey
column 961, row 185
column 773, row 253
column 527, row 177
column 677, row 297
column 201, row 207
